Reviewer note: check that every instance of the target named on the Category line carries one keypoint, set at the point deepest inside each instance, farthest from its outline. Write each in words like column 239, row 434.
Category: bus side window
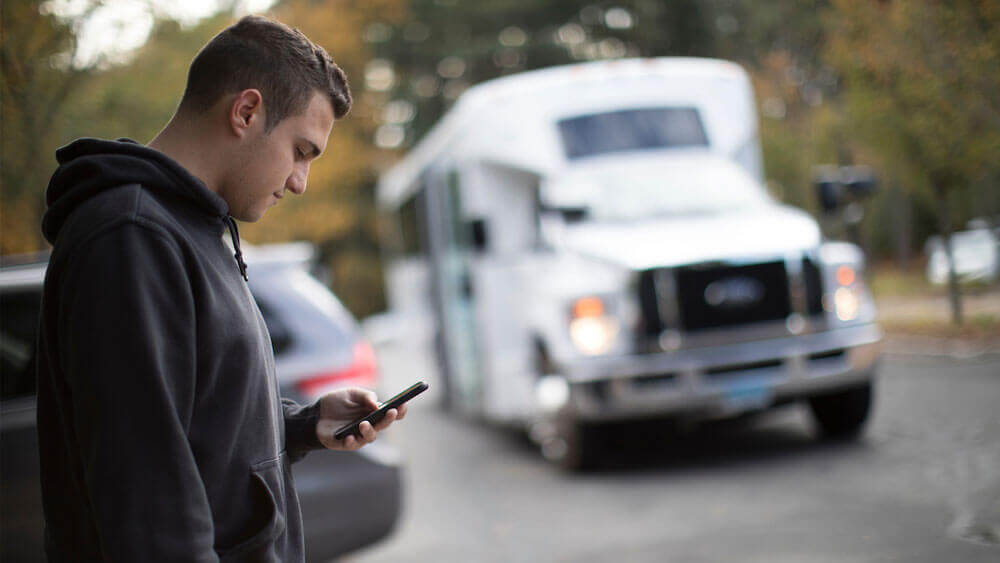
column 477, row 233
column 411, row 230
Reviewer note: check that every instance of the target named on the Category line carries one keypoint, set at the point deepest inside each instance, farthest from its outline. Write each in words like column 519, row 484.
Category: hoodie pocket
column 267, row 483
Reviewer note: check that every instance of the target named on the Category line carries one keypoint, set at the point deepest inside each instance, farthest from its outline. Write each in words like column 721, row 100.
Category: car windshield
column 631, row 130
column 631, row 192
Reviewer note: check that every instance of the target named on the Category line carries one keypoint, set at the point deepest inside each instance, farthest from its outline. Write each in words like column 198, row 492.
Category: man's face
column 273, row 163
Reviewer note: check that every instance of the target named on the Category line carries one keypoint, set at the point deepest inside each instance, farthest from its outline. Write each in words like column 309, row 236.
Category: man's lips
column 279, row 195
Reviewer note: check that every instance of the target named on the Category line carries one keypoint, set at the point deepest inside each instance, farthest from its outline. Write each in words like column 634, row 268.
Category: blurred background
column 906, row 91
column 908, row 88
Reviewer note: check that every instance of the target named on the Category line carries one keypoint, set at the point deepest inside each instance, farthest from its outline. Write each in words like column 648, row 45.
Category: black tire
column 576, row 447
column 842, row 415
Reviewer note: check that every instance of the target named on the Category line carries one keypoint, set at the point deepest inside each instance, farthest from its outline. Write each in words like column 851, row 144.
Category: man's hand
column 344, row 405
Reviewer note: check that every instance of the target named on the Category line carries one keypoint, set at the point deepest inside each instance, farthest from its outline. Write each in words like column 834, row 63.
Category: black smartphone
column 377, row 414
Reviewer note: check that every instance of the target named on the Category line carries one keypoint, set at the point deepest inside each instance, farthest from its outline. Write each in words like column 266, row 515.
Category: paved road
column 922, row 485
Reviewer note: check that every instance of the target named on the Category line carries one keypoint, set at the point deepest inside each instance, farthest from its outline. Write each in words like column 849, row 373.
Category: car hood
column 759, row 231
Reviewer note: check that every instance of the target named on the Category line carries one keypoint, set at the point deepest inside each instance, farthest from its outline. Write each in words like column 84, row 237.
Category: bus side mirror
column 478, row 235
column 829, row 195
column 859, row 180
column 837, row 185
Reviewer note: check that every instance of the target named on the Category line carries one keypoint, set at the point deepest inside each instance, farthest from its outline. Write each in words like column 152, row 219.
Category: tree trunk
column 954, row 295
column 902, row 227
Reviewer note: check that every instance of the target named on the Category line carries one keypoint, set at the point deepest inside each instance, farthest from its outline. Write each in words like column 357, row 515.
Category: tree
column 39, row 81
column 137, row 97
column 923, row 91
column 338, row 210
column 446, row 46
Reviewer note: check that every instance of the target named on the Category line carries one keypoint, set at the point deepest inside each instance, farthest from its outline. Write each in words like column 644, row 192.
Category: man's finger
column 367, row 432
column 390, row 416
column 350, row 442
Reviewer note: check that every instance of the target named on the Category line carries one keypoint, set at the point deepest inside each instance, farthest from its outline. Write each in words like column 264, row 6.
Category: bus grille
column 720, row 295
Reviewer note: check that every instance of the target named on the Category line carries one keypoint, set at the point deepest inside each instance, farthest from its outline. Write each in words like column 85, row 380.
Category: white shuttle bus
column 594, row 243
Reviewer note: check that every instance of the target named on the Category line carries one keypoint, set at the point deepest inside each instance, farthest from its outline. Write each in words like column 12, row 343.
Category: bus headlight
column 846, row 303
column 846, row 299
column 592, row 331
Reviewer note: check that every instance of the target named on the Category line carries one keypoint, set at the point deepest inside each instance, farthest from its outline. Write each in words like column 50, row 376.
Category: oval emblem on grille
column 734, row 293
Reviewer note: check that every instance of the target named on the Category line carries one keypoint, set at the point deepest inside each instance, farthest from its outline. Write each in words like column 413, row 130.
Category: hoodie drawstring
column 235, row 233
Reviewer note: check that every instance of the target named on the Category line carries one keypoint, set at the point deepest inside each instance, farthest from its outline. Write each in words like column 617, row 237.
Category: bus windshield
column 630, row 130
column 629, row 192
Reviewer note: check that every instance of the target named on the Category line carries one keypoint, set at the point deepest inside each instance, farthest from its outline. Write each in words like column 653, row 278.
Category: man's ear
column 245, row 111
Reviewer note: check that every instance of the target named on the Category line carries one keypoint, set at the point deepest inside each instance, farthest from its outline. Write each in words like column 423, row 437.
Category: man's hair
column 281, row 62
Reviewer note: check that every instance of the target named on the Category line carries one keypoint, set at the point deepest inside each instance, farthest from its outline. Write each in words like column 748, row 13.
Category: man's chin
column 249, row 216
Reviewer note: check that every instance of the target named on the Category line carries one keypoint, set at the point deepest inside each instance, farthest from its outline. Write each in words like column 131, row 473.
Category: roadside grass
column 889, row 280
column 982, row 326
column 909, row 304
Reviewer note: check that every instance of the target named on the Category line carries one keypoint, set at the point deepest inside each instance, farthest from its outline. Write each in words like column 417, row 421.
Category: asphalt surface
column 922, row 484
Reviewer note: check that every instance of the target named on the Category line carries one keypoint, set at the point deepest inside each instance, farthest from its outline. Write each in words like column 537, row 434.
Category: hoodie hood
column 88, row 167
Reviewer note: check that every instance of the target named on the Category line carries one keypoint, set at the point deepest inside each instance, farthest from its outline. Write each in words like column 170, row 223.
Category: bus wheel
column 842, row 415
column 573, row 447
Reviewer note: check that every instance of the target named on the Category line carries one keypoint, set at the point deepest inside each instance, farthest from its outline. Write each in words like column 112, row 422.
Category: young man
column 161, row 433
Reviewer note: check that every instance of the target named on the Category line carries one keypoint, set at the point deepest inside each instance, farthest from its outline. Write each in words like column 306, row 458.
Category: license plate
column 748, row 393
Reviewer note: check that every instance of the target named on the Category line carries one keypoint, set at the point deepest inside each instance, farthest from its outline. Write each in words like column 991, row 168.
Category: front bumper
column 722, row 380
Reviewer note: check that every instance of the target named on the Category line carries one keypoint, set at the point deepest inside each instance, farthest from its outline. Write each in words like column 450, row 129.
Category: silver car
column 349, row 499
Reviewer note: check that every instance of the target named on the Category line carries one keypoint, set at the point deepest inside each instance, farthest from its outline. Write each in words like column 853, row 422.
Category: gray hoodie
column 161, row 432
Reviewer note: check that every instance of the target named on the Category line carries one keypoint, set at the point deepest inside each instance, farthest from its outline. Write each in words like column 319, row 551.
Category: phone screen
column 377, row 414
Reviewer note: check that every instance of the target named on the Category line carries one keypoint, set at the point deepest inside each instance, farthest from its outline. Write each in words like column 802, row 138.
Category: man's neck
column 189, row 147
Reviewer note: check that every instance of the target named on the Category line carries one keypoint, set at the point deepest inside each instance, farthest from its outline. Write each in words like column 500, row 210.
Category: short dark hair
column 260, row 53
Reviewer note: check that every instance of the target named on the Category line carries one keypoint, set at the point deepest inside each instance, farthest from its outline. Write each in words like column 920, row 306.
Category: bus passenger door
column 453, row 293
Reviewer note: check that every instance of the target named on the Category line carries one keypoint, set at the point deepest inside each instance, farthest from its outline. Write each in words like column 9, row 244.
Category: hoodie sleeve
column 129, row 352
column 300, row 428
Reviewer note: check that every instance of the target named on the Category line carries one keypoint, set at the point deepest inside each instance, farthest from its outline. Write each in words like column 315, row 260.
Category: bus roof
column 396, row 183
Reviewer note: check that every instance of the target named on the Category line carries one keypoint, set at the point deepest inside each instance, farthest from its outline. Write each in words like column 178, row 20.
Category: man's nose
column 297, row 180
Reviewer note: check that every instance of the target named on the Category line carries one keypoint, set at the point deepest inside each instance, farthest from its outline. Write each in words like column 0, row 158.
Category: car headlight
column 591, row 329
